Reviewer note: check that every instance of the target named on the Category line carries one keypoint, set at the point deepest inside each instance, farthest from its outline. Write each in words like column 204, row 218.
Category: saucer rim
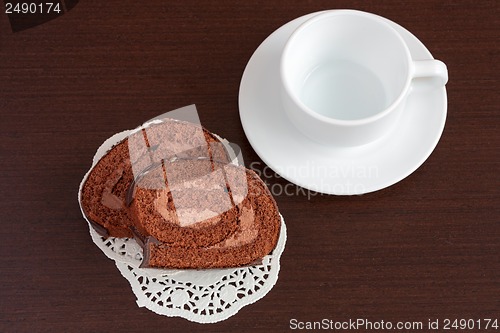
column 424, row 154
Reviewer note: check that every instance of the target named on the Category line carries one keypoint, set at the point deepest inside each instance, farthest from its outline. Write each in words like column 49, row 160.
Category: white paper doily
column 203, row 296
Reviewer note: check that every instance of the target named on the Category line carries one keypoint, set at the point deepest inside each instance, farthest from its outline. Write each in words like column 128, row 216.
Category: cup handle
column 431, row 69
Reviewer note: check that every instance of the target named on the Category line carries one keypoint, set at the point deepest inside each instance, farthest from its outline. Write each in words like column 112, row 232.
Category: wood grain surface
column 425, row 248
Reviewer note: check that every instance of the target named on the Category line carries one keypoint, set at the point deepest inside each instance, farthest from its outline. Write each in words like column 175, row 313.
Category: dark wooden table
column 425, row 248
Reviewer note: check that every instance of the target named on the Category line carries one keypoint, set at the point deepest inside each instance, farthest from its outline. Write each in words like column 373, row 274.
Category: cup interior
column 345, row 65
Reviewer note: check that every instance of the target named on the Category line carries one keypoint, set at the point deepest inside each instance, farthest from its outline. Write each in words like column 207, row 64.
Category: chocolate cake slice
column 104, row 193
column 185, row 202
column 244, row 225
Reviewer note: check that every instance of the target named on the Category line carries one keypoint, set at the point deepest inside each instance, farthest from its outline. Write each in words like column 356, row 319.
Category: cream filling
column 246, row 233
column 237, row 181
column 108, row 199
column 212, row 181
column 161, row 207
column 186, row 217
column 194, row 193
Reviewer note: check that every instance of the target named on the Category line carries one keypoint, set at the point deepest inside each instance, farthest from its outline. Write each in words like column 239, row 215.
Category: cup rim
column 330, row 120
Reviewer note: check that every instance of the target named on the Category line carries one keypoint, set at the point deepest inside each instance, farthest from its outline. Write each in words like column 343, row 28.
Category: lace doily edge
column 144, row 302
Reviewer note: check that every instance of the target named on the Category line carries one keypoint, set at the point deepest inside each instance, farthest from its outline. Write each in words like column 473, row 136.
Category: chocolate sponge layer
column 105, row 190
column 256, row 236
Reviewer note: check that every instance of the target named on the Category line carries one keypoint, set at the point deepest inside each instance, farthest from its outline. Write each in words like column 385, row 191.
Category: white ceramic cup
column 346, row 75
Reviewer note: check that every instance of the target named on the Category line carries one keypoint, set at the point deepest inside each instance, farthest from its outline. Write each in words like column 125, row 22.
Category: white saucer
column 336, row 170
